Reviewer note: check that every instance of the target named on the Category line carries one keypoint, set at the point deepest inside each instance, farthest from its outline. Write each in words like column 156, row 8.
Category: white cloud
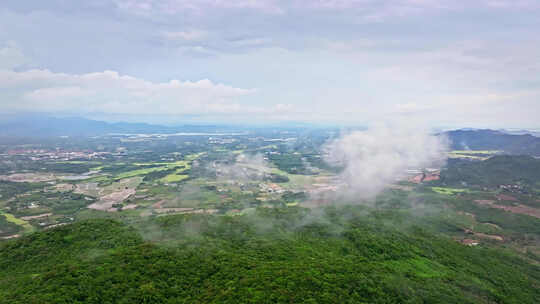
column 43, row 90
column 52, row 94
column 190, row 35
column 251, row 42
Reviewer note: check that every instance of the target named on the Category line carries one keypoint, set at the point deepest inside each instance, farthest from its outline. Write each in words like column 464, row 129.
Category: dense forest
column 497, row 170
column 280, row 255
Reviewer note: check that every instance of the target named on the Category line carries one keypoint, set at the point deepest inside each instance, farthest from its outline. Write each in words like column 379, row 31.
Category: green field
column 489, row 152
column 472, row 154
column 10, row 218
column 140, row 172
column 160, row 166
column 176, row 177
column 448, row 191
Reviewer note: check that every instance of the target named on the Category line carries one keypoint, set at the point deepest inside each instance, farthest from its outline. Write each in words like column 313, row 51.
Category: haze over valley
column 269, row 151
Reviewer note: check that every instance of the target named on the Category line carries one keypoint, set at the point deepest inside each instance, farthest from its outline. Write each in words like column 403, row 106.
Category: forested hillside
column 494, row 140
column 497, row 170
column 273, row 256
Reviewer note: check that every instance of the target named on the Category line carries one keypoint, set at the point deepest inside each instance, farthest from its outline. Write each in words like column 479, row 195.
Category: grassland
column 473, row 154
column 140, row 172
column 10, row 218
column 448, row 191
column 175, row 177
column 489, row 152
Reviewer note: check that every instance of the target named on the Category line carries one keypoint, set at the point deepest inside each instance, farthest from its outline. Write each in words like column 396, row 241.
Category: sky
column 455, row 63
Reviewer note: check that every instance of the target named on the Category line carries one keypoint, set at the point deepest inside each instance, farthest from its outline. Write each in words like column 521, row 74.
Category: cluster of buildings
column 271, row 188
column 42, row 154
column 426, row 175
column 512, row 188
column 220, row 140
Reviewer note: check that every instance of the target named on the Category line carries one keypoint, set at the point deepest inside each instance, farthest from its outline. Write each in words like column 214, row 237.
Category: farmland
column 239, row 190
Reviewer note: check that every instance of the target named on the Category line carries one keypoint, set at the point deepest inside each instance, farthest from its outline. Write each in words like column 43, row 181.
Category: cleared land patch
column 28, row 177
column 472, row 154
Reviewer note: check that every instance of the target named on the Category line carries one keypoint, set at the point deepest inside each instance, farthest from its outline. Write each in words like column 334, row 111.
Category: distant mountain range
column 522, row 132
column 524, row 144
column 47, row 126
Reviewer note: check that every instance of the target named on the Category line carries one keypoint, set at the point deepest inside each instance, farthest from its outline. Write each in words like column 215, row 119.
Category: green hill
column 273, row 256
column 494, row 140
column 497, row 170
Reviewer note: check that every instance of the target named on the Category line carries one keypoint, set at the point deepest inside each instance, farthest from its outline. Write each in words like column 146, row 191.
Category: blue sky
column 444, row 63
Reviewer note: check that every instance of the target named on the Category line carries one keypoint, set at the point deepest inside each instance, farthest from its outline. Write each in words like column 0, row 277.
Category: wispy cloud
column 190, row 35
column 366, row 10
column 198, row 7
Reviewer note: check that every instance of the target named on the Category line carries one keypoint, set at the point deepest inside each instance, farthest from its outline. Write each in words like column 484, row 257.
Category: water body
column 179, row 134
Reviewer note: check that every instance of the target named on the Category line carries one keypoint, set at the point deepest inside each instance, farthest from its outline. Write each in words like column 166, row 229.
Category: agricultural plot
column 20, row 222
column 140, row 172
column 473, row 154
column 237, row 179
column 8, row 229
column 448, row 191
column 175, row 177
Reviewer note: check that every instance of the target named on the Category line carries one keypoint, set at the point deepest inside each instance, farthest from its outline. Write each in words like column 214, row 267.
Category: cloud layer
column 110, row 92
column 446, row 62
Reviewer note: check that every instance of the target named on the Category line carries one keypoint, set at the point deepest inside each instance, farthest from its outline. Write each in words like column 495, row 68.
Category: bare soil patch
column 27, row 218
column 129, row 207
column 431, row 177
column 28, row 177
column 55, row 225
column 91, row 189
column 185, row 210
column 64, row 187
column 10, row 237
column 493, row 225
column 469, row 242
column 506, row 197
column 416, row 179
column 489, row 236
column 484, row 202
column 158, row 204
column 467, row 214
column 106, row 202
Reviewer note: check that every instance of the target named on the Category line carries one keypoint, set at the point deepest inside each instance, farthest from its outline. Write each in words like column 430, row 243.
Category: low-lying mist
column 374, row 158
column 246, row 167
column 371, row 160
